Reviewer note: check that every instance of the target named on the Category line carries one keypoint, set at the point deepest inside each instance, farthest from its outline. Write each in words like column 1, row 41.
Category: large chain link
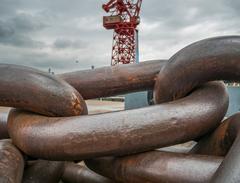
column 50, row 121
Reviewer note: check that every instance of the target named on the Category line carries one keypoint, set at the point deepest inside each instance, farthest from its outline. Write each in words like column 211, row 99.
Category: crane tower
column 124, row 20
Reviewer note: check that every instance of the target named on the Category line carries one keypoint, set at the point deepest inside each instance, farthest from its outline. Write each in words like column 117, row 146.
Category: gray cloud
column 21, row 41
column 64, row 44
column 15, row 31
column 25, row 23
column 5, row 31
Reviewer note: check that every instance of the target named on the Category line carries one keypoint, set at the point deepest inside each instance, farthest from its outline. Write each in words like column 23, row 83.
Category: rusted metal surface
column 11, row 163
column 3, row 125
column 156, row 167
column 206, row 60
column 42, row 171
column 75, row 173
column 120, row 79
column 122, row 132
column 220, row 141
column 225, row 137
column 229, row 170
column 33, row 90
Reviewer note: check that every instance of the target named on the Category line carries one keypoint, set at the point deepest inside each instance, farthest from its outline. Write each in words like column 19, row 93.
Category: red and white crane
column 124, row 20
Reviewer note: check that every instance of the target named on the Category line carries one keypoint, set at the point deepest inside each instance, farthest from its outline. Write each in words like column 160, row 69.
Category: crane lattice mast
column 124, row 19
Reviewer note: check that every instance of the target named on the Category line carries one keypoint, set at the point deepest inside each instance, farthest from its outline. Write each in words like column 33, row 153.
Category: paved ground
column 4, row 109
column 97, row 106
column 94, row 106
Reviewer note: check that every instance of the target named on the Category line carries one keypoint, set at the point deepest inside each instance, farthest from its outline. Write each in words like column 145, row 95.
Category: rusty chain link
column 50, row 121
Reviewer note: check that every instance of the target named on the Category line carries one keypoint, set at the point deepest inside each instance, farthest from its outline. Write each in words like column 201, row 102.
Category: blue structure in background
column 140, row 99
column 234, row 100
column 137, row 47
column 136, row 100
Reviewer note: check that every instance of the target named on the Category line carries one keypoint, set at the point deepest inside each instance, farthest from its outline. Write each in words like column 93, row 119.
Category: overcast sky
column 56, row 33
